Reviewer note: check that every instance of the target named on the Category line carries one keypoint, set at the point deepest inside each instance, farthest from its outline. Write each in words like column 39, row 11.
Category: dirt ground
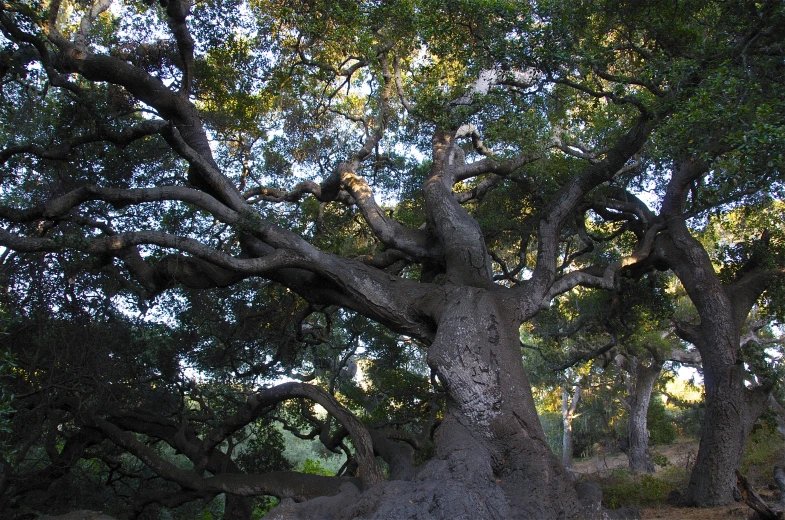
column 681, row 454
column 734, row 511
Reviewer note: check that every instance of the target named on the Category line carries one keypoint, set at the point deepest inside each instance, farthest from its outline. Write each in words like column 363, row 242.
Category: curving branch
column 207, row 168
column 86, row 23
column 119, row 243
column 537, row 291
column 370, row 473
column 586, row 277
column 611, row 96
column 63, row 150
column 392, row 234
column 283, row 484
column 61, row 207
column 177, row 11
column 491, row 165
column 577, row 358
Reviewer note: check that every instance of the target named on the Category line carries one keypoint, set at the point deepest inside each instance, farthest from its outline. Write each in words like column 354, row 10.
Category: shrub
column 764, row 450
column 314, row 467
column 659, row 459
column 662, row 429
column 621, row 489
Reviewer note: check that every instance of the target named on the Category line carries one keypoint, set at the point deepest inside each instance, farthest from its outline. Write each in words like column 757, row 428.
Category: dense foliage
column 231, row 225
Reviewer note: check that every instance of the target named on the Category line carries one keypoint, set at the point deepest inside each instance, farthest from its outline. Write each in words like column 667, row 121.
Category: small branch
column 575, row 359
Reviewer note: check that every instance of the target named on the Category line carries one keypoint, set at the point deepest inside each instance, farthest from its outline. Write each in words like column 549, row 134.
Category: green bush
column 314, row 467
column 662, row 429
column 764, row 450
column 622, row 489
column 263, row 505
column 659, row 459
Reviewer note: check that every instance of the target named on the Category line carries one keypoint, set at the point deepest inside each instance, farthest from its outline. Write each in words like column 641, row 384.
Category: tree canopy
column 218, row 215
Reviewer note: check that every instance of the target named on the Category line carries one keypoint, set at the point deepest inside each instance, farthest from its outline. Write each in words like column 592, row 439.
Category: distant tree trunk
column 639, row 380
column 779, row 414
column 568, row 406
column 640, row 460
column 238, row 508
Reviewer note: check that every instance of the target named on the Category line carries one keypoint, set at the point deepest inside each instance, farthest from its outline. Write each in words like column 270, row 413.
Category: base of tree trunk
column 442, row 491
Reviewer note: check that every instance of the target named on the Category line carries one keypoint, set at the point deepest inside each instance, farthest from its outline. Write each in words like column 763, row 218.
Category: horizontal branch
column 585, row 278
column 117, row 244
column 62, row 151
column 296, row 194
column 61, row 206
column 492, row 165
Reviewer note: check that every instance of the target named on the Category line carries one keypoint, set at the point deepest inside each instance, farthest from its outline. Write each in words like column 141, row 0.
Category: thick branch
column 299, row 486
column 534, row 292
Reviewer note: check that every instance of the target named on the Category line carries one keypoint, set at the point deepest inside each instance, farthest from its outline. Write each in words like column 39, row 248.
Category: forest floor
column 681, row 456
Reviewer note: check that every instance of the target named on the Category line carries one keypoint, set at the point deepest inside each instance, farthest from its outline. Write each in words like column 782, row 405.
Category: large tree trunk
column 492, row 460
column 490, row 399
column 731, row 411
column 731, row 408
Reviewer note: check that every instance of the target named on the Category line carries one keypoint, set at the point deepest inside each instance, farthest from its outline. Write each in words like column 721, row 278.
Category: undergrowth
column 763, row 451
column 623, row 489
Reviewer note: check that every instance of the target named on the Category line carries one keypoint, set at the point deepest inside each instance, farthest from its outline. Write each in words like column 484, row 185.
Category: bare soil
column 733, row 511
column 680, row 454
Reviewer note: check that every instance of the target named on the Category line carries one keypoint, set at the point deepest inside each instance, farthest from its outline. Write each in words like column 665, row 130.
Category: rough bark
column 731, row 407
column 492, row 460
column 731, row 411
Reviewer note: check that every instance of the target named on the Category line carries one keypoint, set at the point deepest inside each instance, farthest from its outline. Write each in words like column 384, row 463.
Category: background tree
column 213, row 145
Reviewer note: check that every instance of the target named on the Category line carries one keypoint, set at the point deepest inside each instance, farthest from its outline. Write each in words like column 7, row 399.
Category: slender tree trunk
column 639, row 457
column 568, row 406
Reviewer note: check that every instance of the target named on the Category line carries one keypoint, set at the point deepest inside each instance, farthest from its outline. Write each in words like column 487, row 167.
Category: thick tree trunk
column 477, row 356
column 731, row 408
column 492, row 460
column 731, row 411
column 640, row 460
